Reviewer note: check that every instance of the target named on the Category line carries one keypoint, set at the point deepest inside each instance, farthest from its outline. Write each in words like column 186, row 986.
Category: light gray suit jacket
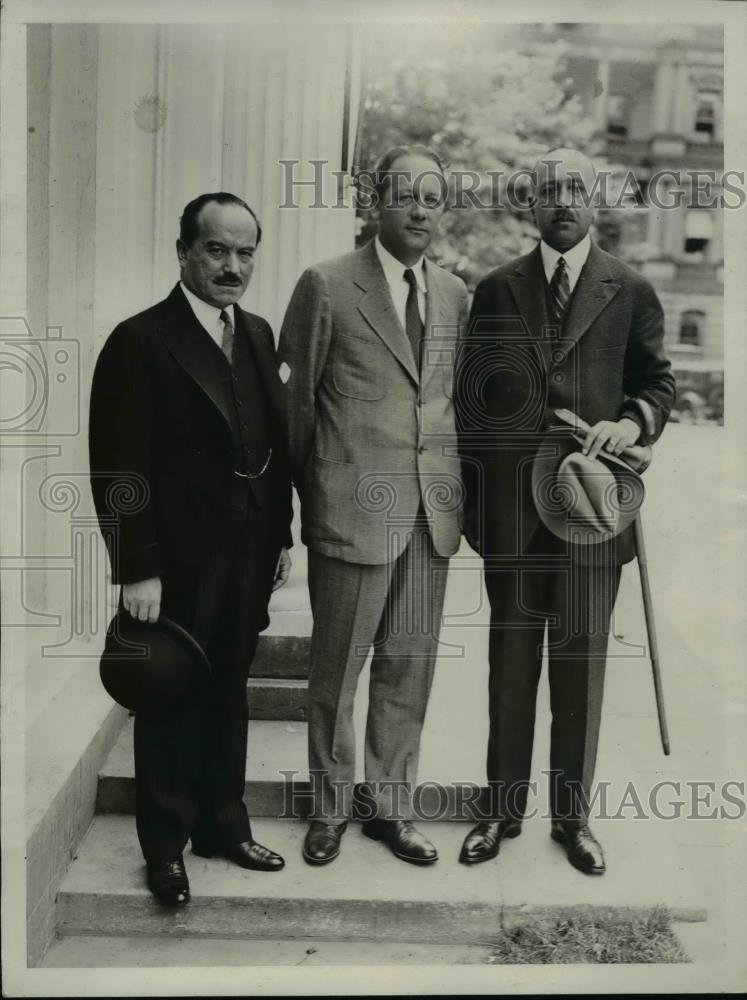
column 371, row 437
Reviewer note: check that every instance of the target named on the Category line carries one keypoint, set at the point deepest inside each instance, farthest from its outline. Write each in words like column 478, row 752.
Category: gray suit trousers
column 395, row 608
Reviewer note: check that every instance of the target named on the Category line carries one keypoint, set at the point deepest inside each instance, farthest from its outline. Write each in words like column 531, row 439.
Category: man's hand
column 612, row 435
column 143, row 599
column 282, row 570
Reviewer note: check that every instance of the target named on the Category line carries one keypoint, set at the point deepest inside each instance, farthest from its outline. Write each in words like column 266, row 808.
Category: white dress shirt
column 394, row 272
column 209, row 316
column 575, row 258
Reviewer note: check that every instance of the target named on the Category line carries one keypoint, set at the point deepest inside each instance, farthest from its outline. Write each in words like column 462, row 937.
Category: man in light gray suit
column 368, row 346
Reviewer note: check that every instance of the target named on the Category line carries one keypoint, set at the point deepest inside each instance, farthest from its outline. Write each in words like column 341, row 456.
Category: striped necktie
column 226, row 344
column 560, row 288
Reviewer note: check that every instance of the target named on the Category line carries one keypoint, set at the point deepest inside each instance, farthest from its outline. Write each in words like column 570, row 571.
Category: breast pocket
column 359, row 367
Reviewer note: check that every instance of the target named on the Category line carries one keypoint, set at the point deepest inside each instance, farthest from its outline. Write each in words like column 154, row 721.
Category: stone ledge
column 368, row 894
column 63, row 762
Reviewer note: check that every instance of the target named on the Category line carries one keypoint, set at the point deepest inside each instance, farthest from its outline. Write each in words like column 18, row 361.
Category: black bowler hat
column 159, row 667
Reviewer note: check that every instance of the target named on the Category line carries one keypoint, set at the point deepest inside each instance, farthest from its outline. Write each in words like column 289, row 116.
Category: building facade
column 656, row 99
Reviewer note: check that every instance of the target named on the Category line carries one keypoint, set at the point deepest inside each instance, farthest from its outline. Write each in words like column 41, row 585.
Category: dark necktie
column 226, row 344
column 413, row 323
column 560, row 289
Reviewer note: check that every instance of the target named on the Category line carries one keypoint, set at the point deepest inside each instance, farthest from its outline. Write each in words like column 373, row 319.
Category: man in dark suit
column 369, row 341
column 566, row 326
column 188, row 411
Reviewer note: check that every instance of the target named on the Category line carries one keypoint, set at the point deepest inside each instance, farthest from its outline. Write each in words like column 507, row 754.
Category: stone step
column 283, row 656
column 277, row 771
column 277, row 778
column 366, row 894
column 153, row 950
column 277, row 698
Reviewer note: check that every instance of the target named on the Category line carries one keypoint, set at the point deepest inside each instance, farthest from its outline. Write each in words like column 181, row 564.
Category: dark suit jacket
column 607, row 361
column 162, row 448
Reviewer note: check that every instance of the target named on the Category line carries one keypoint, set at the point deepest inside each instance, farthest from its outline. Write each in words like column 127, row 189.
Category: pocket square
column 284, row 372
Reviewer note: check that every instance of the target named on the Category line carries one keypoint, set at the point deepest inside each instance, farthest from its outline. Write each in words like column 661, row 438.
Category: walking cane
column 653, row 646
column 581, row 427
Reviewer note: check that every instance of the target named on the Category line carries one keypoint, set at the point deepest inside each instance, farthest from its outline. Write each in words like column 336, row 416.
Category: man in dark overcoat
column 187, row 423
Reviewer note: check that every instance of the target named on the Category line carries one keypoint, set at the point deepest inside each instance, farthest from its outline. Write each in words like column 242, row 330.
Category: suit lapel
column 188, row 343
column 438, row 338
column 594, row 290
column 265, row 359
column 527, row 284
column 376, row 306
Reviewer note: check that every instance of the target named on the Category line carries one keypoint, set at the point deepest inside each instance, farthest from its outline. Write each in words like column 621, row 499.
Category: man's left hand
column 612, row 435
column 282, row 570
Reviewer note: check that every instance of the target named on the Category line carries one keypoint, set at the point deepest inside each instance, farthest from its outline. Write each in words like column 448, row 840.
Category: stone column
column 664, row 91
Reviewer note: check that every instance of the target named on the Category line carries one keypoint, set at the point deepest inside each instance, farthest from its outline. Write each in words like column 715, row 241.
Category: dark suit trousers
column 546, row 588
column 190, row 768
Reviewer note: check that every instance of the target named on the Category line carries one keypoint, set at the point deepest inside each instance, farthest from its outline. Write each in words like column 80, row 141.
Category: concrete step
column 366, row 894
column 277, row 771
column 277, row 698
column 277, row 778
column 283, row 656
column 149, row 951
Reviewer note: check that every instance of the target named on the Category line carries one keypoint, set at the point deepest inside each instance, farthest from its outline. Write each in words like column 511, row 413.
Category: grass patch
column 590, row 937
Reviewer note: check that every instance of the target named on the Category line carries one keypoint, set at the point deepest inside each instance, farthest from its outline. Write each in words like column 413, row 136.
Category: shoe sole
column 511, row 833
column 319, row 861
column 172, row 904
column 578, row 865
column 209, row 853
column 381, row 838
column 467, row 860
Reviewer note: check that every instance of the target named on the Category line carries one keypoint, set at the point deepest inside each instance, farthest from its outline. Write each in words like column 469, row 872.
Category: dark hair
column 384, row 164
column 189, row 227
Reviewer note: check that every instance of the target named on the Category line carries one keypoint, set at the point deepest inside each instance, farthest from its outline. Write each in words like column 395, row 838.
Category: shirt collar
column 394, row 269
column 575, row 258
column 207, row 315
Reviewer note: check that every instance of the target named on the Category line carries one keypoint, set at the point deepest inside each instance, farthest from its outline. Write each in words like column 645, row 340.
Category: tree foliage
column 485, row 105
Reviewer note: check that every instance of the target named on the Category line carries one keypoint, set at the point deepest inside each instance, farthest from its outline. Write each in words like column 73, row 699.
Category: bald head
column 563, row 182
column 562, row 161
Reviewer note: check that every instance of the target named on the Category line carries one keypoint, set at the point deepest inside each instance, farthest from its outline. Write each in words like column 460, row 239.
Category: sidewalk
column 689, row 553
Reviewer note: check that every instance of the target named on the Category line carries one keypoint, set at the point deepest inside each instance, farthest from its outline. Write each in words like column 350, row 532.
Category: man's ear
column 181, row 252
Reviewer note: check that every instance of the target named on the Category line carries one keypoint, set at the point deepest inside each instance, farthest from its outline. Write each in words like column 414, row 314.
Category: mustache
column 228, row 282
column 564, row 216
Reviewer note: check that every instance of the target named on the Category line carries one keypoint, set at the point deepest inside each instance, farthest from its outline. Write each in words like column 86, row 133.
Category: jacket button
column 421, row 449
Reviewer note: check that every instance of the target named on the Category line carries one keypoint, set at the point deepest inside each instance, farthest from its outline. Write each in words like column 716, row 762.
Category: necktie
column 226, row 343
column 413, row 323
column 560, row 288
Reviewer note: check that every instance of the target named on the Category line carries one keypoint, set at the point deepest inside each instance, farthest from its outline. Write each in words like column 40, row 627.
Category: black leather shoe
column 583, row 849
column 248, row 854
column 484, row 840
column 322, row 843
column 168, row 882
column 405, row 841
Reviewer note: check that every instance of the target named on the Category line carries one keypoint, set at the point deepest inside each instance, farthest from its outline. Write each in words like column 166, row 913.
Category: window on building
column 698, row 232
column 705, row 116
column 617, row 115
column 691, row 327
